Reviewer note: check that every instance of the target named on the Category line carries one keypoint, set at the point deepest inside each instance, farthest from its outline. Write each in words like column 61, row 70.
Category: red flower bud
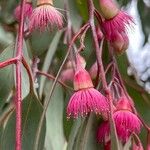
column 108, row 9
column 119, row 42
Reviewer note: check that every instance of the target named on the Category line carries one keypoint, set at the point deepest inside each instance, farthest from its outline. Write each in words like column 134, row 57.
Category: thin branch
column 27, row 67
column 108, row 67
column 18, row 100
column 53, row 78
column 8, row 62
column 98, row 16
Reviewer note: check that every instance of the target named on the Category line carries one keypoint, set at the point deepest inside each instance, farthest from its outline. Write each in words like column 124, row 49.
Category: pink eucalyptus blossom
column 86, row 99
column 119, row 42
column 118, row 24
column 45, row 16
column 126, row 121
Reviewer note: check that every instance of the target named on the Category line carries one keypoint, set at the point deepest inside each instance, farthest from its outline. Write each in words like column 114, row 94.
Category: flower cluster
column 88, row 98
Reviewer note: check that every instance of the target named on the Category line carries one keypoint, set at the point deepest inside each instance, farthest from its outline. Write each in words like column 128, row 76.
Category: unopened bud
column 120, row 42
column 82, row 79
column 124, row 104
column 41, row 2
column 108, row 8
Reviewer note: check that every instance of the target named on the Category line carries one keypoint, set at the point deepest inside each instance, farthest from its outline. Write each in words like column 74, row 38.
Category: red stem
column 18, row 100
column 8, row 62
column 18, row 106
column 31, row 79
column 49, row 76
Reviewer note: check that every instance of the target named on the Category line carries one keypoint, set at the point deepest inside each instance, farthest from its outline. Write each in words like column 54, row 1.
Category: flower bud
column 126, row 42
column 45, row 17
column 82, row 79
column 41, row 2
column 120, row 42
column 124, row 104
column 108, row 8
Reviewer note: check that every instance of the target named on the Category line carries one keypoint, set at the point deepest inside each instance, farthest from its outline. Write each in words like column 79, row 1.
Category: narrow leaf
column 32, row 110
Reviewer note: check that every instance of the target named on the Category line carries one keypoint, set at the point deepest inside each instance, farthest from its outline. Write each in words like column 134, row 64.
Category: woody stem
column 18, row 98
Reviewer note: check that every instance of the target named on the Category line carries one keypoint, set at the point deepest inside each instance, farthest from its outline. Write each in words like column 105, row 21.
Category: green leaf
column 40, row 42
column 55, row 138
column 73, row 134
column 48, row 59
column 31, row 113
column 25, row 77
column 83, row 8
column 75, row 17
column 86, row 137
column 6, row 75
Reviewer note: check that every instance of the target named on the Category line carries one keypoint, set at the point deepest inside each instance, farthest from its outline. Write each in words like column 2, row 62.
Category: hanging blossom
column 114, row 25
column 86, row 99
column 27, row 10
column 126, row 121
column 45, row 16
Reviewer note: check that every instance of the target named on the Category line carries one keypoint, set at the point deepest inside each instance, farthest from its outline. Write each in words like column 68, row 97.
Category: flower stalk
column 18, row 101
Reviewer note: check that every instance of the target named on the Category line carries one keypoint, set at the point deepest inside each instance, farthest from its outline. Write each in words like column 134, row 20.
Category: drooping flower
column 27, row 10
column 103, row 132
column 126, row 121
column 115, row 24
column 86, row 99
column 118, row 24
column 45, row 16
